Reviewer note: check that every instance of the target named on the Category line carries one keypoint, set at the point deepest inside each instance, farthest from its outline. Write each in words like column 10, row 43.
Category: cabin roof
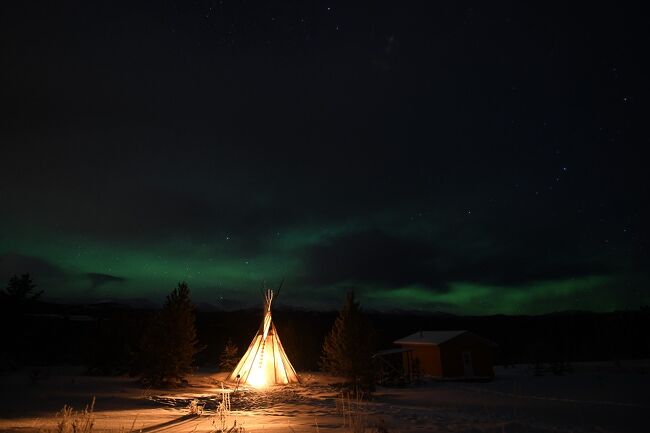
column 429, row 337
column 391, row 351
column 435, row 338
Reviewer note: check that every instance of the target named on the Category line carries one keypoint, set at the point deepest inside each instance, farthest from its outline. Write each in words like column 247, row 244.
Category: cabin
column 447, row 354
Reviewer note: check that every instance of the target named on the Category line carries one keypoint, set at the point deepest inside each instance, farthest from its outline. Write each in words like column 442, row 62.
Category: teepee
column 265, row 363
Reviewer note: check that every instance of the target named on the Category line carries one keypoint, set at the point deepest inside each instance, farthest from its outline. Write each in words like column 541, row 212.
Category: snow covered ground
column 596, row 397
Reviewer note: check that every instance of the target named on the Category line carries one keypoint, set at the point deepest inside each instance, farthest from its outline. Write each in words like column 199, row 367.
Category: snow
column 596, row 397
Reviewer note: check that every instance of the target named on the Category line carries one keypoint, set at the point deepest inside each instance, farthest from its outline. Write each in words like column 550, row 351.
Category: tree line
column 162, row 348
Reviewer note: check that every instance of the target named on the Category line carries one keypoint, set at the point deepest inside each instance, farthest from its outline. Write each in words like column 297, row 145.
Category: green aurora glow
column 213, row 273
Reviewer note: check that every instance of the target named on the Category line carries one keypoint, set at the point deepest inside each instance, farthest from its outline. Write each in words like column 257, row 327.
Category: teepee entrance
column 265, row 363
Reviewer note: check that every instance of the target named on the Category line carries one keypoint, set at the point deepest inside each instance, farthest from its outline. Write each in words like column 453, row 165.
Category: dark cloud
column 369, row 257
column 378, row 259
column 98, row 279
column 16, row 264
column 47, row 274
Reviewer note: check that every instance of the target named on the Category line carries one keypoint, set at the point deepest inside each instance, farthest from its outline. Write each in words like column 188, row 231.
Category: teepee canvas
column 265, row 363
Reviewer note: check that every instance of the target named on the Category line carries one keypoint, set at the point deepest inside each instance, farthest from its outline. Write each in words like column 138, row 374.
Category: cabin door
column 468, row 369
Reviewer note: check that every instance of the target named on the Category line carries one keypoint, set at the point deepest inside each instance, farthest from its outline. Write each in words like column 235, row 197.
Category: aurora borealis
column 473, row 159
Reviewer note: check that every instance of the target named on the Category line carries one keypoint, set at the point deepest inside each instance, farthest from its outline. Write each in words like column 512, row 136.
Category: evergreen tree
column 170, row 343
column 21, row 289
column 347, row 349
column 17, row 299
column 229, row 358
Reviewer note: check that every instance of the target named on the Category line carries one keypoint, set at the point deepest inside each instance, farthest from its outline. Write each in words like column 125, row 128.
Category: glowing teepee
column 265, row 363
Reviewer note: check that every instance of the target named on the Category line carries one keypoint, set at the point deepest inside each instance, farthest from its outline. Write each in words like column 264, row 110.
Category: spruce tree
column 21, row 289
column 347, row 350
column 170, row 343
column 229, row 358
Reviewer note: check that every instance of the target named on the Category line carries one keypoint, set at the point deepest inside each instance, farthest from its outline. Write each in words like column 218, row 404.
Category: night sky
column 473, row 158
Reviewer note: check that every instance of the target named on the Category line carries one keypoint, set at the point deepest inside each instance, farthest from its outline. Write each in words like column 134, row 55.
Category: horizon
column 216, row 305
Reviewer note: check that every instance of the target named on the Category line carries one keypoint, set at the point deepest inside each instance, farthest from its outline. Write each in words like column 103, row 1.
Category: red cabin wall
column 451, row 355
column 446, row 360
column 428, row 358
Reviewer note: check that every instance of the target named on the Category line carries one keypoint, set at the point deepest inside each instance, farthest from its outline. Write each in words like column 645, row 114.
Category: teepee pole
column 275, row 367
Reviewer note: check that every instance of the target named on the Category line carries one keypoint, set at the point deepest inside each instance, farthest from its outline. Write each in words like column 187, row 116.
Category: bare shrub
column 220, row 421
column 356, row 417
column 195, row 408
column 71, row 421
